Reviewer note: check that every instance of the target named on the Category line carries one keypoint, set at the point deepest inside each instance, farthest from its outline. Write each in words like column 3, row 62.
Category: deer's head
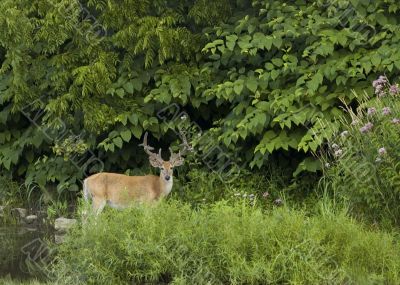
column 166, row 167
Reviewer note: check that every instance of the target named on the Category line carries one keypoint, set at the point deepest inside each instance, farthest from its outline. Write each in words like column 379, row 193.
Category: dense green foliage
column 254, row 84
column 223, row 244
column 257, row 76
column 364, row 159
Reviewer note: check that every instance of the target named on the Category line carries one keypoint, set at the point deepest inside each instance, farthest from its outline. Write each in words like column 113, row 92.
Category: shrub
column 201, row 186
column 223, row 244
column 85, row 80
column 365, row 157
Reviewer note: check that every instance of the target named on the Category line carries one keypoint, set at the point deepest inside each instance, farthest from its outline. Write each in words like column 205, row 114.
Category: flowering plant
column 363, row 161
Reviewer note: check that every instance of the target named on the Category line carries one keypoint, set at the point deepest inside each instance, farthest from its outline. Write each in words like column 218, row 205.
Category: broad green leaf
column 134, row 119
column 268, row 41
column 118, row 142
column 308, row 164
column 137, row 131
column 128, row 87
column 137, row 84
column 376, row 59
column 126, row 135
column 231, row 41
column 238, row 86
column 274, row 74
column 120, row 92
column 277, row 62
column 252, row 84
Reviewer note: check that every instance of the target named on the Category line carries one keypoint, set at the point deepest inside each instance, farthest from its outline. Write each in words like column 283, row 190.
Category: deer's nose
column 167, row 177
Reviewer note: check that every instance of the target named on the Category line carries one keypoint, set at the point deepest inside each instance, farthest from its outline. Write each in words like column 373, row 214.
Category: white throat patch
column 168, row 186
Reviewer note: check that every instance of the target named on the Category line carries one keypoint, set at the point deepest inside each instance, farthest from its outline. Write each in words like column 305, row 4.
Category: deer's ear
column 178, row 162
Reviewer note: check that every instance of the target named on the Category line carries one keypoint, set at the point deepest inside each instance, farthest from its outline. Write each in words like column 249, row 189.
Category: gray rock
column 62, row 225
column 59, row 239
column 31, row 229
column 41, row 214
column 31, row 219
column 19, row 213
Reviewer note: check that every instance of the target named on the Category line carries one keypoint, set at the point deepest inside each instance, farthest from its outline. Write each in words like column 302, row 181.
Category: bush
column 10, row 192
column 85, row 80
column 223, row 244
column 365, row 157
column 202, row 186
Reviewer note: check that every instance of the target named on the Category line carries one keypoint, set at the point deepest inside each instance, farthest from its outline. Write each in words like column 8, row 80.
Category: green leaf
column 367, row 66
column 137, row 131
column 118, row 142
column 231, row 41
column 244, row 42
column 134, row 119
column 277, row 61
column 128, row 87
column 376, row 59
column 227, row 140
column 120, row 92
column 309, row 164
column 274, row 74
column 137, row 84
column 37, row 140
column 277, row 42
column 268, row 42
column 315, row 82
column 252, row 84
column 126, row 135
column 263, row 106
column 238, row 86
column 269, row 66
column 7, row 164
column 111, row 147
column 381, row 19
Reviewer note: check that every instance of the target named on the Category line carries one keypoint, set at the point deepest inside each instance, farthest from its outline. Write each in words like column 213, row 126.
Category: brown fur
column 122, row 190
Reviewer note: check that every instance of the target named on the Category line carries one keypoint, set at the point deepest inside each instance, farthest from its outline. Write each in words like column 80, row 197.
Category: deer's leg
column 98, row 205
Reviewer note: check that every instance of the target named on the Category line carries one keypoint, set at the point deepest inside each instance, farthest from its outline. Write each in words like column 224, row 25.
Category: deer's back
column 122, row 189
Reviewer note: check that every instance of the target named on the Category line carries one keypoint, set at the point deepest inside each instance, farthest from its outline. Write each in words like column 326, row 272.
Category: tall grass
column 227, row 244
column 363, row 162
column 9, row 281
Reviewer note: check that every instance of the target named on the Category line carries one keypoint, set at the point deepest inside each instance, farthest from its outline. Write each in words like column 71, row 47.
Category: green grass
column 227, row 244
column 9, row 281
column 357, row 172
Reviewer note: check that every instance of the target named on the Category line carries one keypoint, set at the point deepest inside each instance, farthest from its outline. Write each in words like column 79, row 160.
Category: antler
column 176, row 159
column 155, row 159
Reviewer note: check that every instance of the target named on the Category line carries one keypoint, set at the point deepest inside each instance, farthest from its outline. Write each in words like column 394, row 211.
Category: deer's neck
column 166, row 186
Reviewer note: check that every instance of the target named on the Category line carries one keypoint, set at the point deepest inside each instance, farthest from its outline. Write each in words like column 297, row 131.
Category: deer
column 121, row 191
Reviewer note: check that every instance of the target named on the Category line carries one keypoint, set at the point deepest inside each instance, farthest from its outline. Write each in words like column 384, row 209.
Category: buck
column 120, row 191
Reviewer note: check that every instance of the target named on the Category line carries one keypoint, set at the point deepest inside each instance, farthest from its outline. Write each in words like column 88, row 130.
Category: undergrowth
column 226, row 244
column 362, row 165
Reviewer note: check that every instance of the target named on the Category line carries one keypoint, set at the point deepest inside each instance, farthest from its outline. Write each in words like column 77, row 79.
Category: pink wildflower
column 386, row 111
column 379, row 85
column 371, row 111
column 338, row 153
column 366, row 128
column 382, row 151
column 394, row 89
